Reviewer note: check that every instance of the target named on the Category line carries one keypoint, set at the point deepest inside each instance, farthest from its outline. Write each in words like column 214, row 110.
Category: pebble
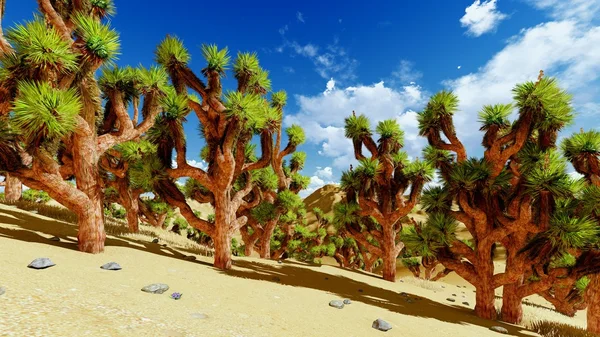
column 111, row 266
column 336, row 304
column 347, row 301
column 156, row 288
column 449, row 299
column 499, row 329
column 381, row 325
column 41, row 263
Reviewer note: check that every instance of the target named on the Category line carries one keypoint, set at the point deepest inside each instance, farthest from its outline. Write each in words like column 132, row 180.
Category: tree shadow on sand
column 340, row 286
column 29, row 228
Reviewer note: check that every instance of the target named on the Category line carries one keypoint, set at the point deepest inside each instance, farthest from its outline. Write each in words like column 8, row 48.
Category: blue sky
column 380, row 58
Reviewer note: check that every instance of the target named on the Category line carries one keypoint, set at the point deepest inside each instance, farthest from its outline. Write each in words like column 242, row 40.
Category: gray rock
column 408, row 300
column 155, row 241
column 499, row 329
column 2, row 291
column 198, row 315
column 111, row 266
column 404, row 294
column 450, row 299
column 381, row 325
column 347, row 301
column 54, row 238
column 279, row 262
column 41, row 263
column 466, row 303
column 156, row 288
column 336, row 304
column 190, row 258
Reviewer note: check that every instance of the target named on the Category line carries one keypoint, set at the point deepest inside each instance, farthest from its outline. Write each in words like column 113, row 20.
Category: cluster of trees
column 115, row 135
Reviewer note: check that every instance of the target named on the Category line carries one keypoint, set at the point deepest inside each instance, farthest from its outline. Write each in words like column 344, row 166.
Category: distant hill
column 324, row 198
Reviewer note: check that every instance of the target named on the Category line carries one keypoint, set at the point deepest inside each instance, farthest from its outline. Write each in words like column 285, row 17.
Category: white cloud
column 376, row 101
column 308, row 50
column 289, row 70
column 458, row 67
column 406, row 72
column 579, row 10
column 283, row 29
column 324, row 173
column 564, row 49
column 481, row 18
column 330, row 86
column 300, row 17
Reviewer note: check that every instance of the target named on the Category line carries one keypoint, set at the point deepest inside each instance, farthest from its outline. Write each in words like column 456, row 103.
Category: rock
column 190, row 258
column 155, row 241
column 499, row 329
column 404, row 294
column 156, row 288
column 466, row 303
column 54, row 238
column 163, row 245
column 360, row 290
column 111, row 266
column 381, row 325
column 408, row 300
column 34, row 212
column 347, row 301
column 443, row 286
column 454, row 295
column 276, row 279
column 2, row 291
column 279, row 262
column 336, row 304
column 449, row 299
column 41, row 263
column 198, row 315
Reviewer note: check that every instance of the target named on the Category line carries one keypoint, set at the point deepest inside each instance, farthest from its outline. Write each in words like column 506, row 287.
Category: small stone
column 276, row 279
column 347, row 301
column 156, row 288
column 41, row 263
column 360, row 290
column 449, row 299
column 155, row 241
column 499, row 329
column 198, row 315
column 111, row 266
column 466, row 303
column 454, row 295
column 327, row 278
column 279, row 262
column 163, row 245
column 381, row 325
column 443, row 286
column 404, row 294
column 2, row 291
column 336, row 304
column 190, row 258
column 408, row 300
column 54, row 238
column 402, row 281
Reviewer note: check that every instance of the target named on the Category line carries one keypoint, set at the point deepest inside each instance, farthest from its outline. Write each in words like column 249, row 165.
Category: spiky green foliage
column 265, row 178
column 548, row 100
column 35, row 196
column 103, row 8
column 260, row 81
column 357, row 127
column 175, row 107
column 436, row 200
column 249, row 108
column 147, row 173
column 426, row 241
column 419, row 169
column 153, row 79
column 389, row 129
column 41, row 48
column 289, row 200
column 369, row 169
column 298, row 160
column 495, row 115
column 100, row 42
column 440, row 107
column 279, row 99
column 295, row 135
column 217, row 60
column 246, row 64
column 171, row 51
column 437, row 156
column 44, row 113
column 135, row 150
column 582, row 149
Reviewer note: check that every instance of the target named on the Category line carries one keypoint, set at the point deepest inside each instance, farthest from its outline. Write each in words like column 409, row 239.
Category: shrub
column 36, row 196
column 554, row 329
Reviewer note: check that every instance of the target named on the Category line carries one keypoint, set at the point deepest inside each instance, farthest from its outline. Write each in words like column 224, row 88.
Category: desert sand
column 255, row 298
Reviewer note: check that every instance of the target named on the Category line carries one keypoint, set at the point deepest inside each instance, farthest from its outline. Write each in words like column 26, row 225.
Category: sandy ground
column 255, row 298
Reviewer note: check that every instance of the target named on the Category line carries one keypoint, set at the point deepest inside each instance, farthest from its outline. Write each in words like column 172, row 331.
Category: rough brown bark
column 13, row 188
column 222, row 236
column 485, row 296
column 593, row 300
column 389, row 254
column 512, row 307
column 265, row 238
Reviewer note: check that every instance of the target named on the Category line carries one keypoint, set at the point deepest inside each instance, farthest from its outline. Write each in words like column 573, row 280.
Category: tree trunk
column 13, row 188
column 91, row 234
column 265, row 238
column 132, row 216
column 485, row 297
column 222, row 238
column 429, row 272
column 91, row 221
column 593, row 300
column 512, row 307
column 248, row 249
column 389, row 253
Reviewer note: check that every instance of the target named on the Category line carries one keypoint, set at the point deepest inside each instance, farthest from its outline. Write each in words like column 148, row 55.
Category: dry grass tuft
column 54, row 212
column 422, row 283
column 556, row 329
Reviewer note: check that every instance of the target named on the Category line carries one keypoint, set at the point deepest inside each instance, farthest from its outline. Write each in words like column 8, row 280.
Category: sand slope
column 255, row 298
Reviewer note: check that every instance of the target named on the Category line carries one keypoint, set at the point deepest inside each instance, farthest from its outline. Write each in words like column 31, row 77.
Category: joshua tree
column 49, row 88
column 583, row 151
column 377, row 187
column 507, row 196
column 228, row 124
column 277, row 187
